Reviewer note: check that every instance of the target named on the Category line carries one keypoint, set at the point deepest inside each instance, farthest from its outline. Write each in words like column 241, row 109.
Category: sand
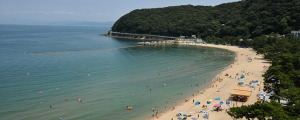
column 222, row 88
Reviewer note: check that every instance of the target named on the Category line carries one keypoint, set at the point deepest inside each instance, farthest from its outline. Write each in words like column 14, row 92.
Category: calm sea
column 74, row 62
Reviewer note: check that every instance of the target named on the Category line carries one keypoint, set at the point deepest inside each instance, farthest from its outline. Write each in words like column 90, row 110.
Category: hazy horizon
column 46, row 12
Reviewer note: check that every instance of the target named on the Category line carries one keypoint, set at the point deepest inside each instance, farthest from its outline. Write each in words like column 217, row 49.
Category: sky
column 47, row 11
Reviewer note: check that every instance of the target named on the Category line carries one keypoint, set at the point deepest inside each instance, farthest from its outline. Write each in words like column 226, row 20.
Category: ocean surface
column 44, row 70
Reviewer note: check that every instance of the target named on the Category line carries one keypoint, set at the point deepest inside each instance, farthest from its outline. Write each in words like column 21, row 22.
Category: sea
column 75, row 73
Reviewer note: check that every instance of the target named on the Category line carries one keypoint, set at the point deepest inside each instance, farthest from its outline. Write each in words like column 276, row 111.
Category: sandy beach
column 221, row 87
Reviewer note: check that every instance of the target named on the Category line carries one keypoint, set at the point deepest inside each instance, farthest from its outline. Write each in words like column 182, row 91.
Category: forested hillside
column 243, row 19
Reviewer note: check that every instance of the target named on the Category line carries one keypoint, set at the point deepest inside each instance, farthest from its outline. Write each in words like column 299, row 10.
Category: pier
column 139, row 36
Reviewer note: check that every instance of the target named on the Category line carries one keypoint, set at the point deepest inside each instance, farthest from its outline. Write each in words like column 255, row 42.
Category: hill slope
column 248, row 18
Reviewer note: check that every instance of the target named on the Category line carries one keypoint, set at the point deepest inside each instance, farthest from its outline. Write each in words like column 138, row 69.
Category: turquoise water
column 106, row 79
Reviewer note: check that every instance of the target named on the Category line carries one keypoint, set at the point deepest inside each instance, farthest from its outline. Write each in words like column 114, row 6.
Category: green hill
column 246, row 19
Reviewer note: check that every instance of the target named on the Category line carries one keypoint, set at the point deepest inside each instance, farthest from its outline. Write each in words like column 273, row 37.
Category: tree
column 260, row 111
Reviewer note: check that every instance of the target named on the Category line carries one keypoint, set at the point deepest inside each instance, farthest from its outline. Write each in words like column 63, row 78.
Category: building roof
column 242, row 91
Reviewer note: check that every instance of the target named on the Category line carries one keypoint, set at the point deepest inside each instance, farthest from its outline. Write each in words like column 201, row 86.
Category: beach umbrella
column 218, row 98
column 260, row 96
column 262, row 93
column 241, row 82
column 227, row 102
column 217, row 105
column 197, row 103
column 221, row 103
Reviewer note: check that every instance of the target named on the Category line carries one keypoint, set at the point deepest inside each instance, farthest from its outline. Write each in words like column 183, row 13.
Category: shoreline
column 221, row 86
column 134, row 38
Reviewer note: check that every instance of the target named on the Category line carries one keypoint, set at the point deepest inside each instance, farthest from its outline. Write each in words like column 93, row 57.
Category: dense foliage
column 271, row 109
column 243, row 19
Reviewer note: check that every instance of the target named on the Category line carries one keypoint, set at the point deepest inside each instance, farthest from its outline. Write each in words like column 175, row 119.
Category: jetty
column 154, row 39
column 139, row 36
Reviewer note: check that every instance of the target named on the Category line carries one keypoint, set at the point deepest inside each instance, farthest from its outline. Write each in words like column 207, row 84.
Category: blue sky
column 39, row 11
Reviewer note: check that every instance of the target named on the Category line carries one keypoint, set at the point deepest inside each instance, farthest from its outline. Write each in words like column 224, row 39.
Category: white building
column 296, row 33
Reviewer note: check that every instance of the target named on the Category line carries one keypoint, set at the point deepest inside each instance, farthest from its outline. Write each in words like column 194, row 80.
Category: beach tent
column 227, row 102
column 241, row 82
column 252, row 86
column 241, row 93
column 254, row 81
column 239, row 88
column 242, row 76
column 221, row 103
column 217, row 105
column 218, row 98
column 197, row 103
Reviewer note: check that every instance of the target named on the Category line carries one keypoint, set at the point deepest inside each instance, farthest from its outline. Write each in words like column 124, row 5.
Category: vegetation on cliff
column 243, row 19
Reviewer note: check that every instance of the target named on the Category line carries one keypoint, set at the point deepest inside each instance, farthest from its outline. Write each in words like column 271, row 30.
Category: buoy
column 80, row 100
column 40, row 92
column 129, row 108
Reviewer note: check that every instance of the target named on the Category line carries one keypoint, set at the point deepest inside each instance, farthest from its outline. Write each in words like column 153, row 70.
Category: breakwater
column 139, row 36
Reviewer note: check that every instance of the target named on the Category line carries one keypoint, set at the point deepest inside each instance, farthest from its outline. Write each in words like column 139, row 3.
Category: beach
column 247, row 63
